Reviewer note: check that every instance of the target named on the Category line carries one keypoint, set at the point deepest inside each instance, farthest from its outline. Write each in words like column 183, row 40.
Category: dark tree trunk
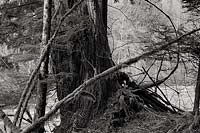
column 104, row 13
column 197, row 93
column 79, row 58
column 42, row 84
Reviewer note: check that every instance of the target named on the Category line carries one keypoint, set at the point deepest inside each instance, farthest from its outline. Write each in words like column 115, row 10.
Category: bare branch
column 122, row 13
column 164, row 14
column 159, row 89
column 159, row 69
column 25, row 102
column 8, row 123
column 147, row 71
column 157, row 83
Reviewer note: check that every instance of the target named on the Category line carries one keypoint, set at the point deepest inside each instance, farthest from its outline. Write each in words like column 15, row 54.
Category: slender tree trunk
column 197, row 94
column 42, row 84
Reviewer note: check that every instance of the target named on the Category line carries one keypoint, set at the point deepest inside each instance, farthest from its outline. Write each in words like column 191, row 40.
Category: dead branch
column 157, row 83
column 42, row 57
column 164, row 14
column 105, row 73
column 26, row 119
column 159, row 69
column 147, row 71
column 159, row 89
column 25, row 102
column 8, row 123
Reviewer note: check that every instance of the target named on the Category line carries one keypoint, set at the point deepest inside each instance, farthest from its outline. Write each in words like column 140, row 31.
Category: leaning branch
column 25, row 102
column 42, row 57
column 89, row 82
column 164, row 14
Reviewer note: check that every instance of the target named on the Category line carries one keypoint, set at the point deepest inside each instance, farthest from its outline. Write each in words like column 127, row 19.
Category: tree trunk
column 84, row 54
column 42, row 84
column 197, row 94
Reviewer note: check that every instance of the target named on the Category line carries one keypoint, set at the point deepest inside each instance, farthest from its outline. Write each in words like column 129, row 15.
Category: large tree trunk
column 42, row 84
column 79, row 58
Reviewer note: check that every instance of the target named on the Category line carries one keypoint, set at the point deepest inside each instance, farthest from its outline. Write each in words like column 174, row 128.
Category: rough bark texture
column 197, row 94
column 84, row 54
column 42, row 87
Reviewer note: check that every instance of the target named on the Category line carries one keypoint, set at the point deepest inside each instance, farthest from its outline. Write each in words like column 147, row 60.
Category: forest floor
column 141, row 122
column 146, row 122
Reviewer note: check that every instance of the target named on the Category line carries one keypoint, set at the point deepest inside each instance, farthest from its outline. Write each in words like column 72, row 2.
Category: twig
column 122, row 13
column 164, row 14
column 159, row 89
column 171, row 88
column 49, row 128
column 92, row 80
column 160, row 68
column 5, row 63
column 147, row 71
column 126, row 44
column 27, row 120
column 8, row 123
column 56, row 11
column 42, row 57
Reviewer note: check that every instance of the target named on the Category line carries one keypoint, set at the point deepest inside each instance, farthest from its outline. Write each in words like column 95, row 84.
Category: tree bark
column 42, row 84
column 197, row 93
column 85, row 54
